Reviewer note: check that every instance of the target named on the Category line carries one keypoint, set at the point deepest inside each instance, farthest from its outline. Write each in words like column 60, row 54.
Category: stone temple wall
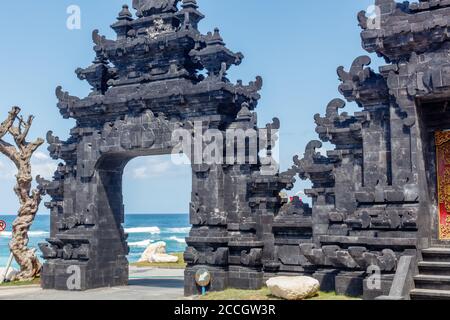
column 373, row 195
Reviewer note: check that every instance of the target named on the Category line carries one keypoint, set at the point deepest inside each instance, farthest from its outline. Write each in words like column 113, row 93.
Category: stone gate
column 380, row 198
column 147, row 84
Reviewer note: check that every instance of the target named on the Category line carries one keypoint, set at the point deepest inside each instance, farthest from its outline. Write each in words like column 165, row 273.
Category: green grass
column 177, row 265
column 263, row 294
column 236, row 294
column 21, row 283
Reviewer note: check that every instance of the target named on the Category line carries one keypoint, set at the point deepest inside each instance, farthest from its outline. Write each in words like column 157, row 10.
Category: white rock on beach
column 156, row 252
column 293, row 288
column 163, row 258
column 10, row 275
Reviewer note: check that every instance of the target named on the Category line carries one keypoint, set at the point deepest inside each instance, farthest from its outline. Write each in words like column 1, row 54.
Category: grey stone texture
column 373, row 195
column 145, row 85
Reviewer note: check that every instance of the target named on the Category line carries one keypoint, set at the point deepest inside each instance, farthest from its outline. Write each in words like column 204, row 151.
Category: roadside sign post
column 203, row 279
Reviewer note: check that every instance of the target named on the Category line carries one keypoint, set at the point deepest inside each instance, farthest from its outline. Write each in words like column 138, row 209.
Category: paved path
column 145, row 284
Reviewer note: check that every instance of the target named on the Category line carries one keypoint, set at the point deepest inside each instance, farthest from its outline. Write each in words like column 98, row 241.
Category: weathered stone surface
column 374, row 194
column 293, row 288
column 159, row 76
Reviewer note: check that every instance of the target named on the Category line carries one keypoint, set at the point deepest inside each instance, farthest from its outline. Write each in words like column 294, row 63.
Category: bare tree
column 29, row 199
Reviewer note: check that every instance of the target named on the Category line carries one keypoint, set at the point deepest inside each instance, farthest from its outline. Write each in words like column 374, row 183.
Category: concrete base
column 245, row 278
column 349, row 284
column 372, row 291
column 326, row 277
column 79, row 276
column 219, row 280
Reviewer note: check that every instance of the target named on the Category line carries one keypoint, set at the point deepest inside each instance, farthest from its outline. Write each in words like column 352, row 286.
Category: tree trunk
column 29, row 200
column 30, row 267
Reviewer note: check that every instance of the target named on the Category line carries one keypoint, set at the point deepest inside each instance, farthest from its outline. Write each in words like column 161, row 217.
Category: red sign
column 2, row 225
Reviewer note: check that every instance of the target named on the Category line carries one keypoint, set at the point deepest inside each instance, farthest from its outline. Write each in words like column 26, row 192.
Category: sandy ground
column 145, row 284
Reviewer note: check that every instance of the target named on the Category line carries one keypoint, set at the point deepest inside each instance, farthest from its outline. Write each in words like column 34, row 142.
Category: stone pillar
column 208, row 238
column 376, row 146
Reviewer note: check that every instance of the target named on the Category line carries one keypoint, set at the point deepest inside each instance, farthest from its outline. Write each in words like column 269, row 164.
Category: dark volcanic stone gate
column 145, row 85
column 374, row 196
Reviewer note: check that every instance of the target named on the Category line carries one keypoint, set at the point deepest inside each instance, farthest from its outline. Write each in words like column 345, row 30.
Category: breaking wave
column 37, row 233
column 179, row 240
column 140, row 244
column 179, row 230
column 151, row 230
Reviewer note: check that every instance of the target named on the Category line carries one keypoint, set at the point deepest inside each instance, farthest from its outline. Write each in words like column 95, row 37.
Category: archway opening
column 434, row 121
column 156, row 198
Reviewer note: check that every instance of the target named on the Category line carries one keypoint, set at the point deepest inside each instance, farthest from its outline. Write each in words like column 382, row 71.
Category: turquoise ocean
column 142, row 229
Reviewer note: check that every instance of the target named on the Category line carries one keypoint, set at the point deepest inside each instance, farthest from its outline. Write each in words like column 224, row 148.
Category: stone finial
column 216, row 36
column 125, row 14
column 244, row 114
column 190, row 4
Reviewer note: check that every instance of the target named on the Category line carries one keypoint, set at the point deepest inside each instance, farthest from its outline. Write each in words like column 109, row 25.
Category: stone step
column 432, row 282
column 437, row 250
column 436, row 254
column 427, row 294
column 434, row 268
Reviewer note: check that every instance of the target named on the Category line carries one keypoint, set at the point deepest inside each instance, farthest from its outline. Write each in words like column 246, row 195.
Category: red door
column 443, row 182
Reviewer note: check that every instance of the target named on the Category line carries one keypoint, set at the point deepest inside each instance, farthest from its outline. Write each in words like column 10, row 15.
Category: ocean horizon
column 142, row 228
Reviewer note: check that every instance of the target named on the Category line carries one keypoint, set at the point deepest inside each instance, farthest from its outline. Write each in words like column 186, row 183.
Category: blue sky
column 295, row 45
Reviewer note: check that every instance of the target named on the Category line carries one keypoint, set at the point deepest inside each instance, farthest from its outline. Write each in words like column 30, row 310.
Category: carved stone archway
column 145, row 85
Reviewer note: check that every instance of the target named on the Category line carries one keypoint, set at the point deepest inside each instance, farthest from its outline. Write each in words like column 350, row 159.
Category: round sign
column 2, row 225
column 203, row 277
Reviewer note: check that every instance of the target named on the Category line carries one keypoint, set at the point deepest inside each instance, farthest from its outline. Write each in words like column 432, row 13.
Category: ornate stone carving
column 138, row 101
column 352, row 258
column 159, row 28
column 149, row 7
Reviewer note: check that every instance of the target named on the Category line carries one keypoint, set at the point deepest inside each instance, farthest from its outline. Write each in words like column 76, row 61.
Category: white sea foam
column 151, row 230
column 37, row 233
column 179, row 230
column 180, row 240
column 140, row 244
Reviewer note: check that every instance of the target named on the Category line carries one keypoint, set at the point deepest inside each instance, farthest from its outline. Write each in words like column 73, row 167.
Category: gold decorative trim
column 442, row 137
column 444, row 230
column 443, row 182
